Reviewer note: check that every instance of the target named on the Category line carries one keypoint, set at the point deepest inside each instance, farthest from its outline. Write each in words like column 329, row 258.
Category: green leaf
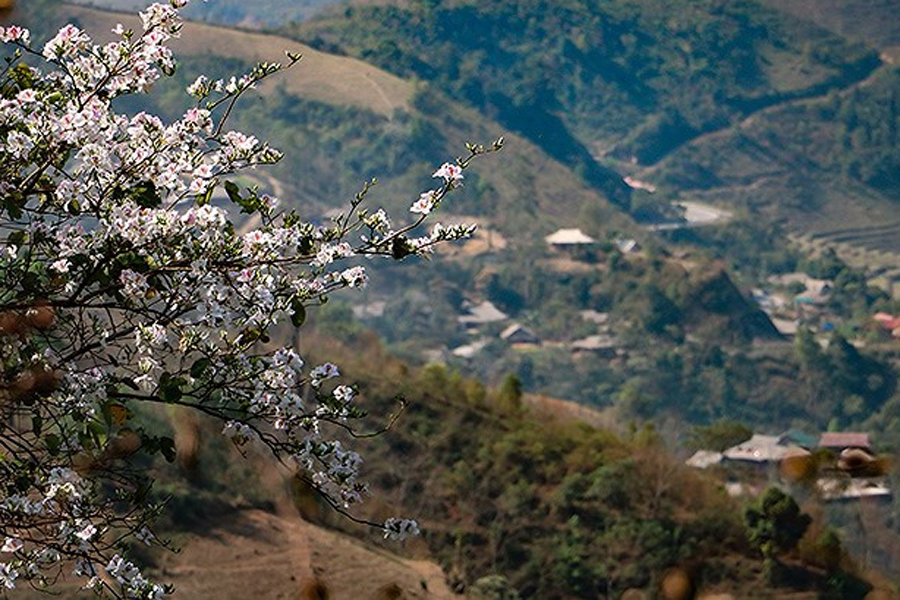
column 200, row 367
column 234, row 192
column 17, row 238
column 52, row 441
column 205, row 198
column 167, row 447
column 299, row 314
column 145, row 195
column 170, row 388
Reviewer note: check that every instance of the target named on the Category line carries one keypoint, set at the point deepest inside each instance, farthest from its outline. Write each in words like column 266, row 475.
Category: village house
column 703, row 459
column 469, row 351
column 593, row 316
column 518, row 334
column 627, row 246
column 567, row 238
column 840, row 489
column 481, row 314
column 602, row 346
column 816, row 292
column 786, row 327
column 763, row 449
column 370, row 310
column 838, row 441
column 799, row 438
column 888, row 323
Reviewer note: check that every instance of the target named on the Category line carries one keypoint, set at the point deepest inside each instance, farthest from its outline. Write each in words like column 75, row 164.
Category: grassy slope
column 320, row 76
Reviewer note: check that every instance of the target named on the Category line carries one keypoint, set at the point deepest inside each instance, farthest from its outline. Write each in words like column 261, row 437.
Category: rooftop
column 853, row 489
column 485, row 312
column 703, row 459
column 594, row 342
column 838, row 439
column 763, row 448
column 565, row 237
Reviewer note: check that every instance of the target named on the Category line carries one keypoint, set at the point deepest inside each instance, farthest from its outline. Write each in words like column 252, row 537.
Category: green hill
column 826, row 167
column 586, row 80
column 872, row 22
column 256, row 15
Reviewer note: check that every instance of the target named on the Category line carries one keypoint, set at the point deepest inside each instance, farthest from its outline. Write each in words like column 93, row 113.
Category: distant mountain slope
column 622, row 80
column 873, row 22
column 256, row 14
column 827, row 166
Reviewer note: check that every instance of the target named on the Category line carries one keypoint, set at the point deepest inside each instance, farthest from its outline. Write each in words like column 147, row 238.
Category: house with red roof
column 839, row 440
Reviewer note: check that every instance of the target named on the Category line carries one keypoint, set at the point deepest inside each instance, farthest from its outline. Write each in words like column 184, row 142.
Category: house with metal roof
column 519, row 334
column 481, row 314
column 841, row 440
column 837, row 489
column 761, row 449
column 703, row 459
column 569, row 237
column 799, row 438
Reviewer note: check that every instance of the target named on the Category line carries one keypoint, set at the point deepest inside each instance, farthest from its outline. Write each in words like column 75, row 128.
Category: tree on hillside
column 128, row 281
column 775, row 523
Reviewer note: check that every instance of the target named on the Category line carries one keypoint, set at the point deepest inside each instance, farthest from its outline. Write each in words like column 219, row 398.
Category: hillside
column 249, row 552
column 236, row 13
column 872, row 22
column 561, row 509
column 642, row 81
column 825, row 169
column 321, row 77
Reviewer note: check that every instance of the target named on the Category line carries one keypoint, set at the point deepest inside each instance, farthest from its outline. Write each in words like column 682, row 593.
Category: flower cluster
column 123, row 284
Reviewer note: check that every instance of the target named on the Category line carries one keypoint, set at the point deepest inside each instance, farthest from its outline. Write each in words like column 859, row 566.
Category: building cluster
column 842, row 464
column 795, row 300
column 480, row 318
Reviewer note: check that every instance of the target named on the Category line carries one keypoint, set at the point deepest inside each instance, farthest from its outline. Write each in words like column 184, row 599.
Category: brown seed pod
column 798, row 467
column 22, row 385
column 84, row 463
column 41, row 316
column 126, row 443
column 46, row 380
column 11, row 323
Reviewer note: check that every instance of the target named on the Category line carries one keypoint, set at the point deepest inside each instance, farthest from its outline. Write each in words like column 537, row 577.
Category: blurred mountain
column 600, row 83
column 875, row 23
column 259, row 14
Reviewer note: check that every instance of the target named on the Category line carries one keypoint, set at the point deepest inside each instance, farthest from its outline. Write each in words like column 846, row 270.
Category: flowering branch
column 124, row 285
